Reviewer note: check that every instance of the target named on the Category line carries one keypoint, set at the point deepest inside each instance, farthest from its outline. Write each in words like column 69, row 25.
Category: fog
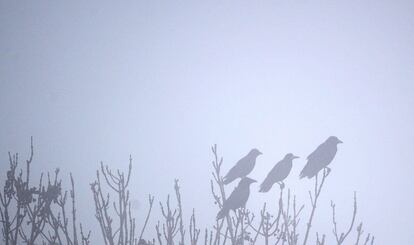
column 162, row 81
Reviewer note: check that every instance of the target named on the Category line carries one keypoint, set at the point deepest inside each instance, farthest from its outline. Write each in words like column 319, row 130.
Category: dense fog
column 164, row 81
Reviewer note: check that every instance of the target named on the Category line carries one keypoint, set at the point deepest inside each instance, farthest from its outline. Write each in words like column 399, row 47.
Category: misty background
column 97, row 81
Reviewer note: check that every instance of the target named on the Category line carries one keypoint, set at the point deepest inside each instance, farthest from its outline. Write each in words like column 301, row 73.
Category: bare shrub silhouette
column 122, row 231
column 34, row 213
column 44, row 213
column 243, row 226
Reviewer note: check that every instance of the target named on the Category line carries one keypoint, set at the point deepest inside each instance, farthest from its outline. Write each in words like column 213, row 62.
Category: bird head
column 290, row 156
column 247, row 181
column 334, row 140
column 255, row 152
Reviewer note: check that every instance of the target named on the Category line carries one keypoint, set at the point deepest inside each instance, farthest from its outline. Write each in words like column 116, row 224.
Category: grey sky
column 163, row 81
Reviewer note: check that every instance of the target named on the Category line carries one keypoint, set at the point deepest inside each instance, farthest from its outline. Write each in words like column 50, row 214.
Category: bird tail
column 307, row 172
column 222, row 213
column 265, row 186
column 302, row 175
column 227, row 180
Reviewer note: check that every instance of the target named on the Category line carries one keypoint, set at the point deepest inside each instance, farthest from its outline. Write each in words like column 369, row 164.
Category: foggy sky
column 163, row 81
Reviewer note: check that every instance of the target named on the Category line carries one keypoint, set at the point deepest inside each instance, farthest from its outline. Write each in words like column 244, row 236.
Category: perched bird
column 237, row 198
column 321, row 157
column 278, row 173
column 243, row 167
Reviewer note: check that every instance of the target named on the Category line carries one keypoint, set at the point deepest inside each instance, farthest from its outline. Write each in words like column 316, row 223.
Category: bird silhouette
column 237, row 198
column 321, row 157
column 278, row 173
column 243, row 167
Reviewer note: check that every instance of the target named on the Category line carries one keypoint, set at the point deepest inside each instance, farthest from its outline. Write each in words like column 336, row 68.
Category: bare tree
column 121, row 232
column 61, row 231
column 340, row 238
column 28, row 213
column 15, row 199
column 314, row 197
column 46, row 213
column 281, row 228
column 173, row 223
column 194, row 231
column 220, row 199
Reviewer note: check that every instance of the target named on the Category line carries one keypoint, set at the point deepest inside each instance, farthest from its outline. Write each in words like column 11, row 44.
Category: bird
column 278, row 173
column 243, row 167
column 237, row 198
column 321, row 157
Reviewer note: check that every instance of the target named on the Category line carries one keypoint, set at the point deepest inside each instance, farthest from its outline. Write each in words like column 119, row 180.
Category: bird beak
column 253, row 181
column 340, row 142
column 260, row 153
column 294, row 157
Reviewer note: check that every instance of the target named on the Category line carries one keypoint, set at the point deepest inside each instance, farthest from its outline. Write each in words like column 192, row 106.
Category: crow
column 243, row 167
column 278, row 173
column 237, row 198
column 321, row 157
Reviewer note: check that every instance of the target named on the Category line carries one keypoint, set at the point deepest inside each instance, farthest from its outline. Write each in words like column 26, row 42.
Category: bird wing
column 280, row 171
column 237, row 198
column 241, row 169
column 318, row 159
column 317, row 151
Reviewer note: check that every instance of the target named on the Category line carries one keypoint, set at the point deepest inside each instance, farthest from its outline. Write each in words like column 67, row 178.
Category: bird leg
column 281, row 184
